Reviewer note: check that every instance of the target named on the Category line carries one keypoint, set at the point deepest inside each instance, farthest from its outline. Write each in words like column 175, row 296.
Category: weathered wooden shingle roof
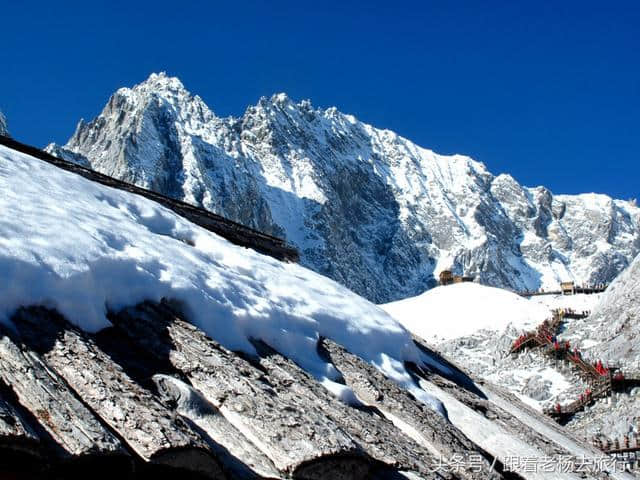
column 156, row 391
column 154, row 395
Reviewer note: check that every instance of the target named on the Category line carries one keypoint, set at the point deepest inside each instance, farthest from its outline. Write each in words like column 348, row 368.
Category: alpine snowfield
column 445, row 313
column 83, row 249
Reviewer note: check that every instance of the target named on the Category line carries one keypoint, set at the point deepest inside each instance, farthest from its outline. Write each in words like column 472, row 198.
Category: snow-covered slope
column 458, row 310
column 613, row 330
column 477, row 325
column 360, row 203
column 102, row 249
column 612, row 334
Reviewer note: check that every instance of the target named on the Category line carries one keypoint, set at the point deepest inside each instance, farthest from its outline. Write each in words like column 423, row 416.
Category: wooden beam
column 298, row 438
column 427, row 427
column 147, row 427
column 238, row 455
column 43, row 393
column 378, row 436
column 19, row 442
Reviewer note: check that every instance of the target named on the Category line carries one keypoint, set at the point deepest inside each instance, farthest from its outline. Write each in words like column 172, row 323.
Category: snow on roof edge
column 81, row 247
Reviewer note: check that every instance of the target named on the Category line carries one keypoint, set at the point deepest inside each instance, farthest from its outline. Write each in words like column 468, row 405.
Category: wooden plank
column 147, row 427
column 43, row 393
column 378, row 436
column 298, row 438
column 19, row 441
column 239, row 457
column 13, row 428
column 232, row 231
column 505, row 419
column 424, row 424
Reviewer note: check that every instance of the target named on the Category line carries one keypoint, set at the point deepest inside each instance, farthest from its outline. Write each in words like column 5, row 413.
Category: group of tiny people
column 570, row 312
column 587, row 396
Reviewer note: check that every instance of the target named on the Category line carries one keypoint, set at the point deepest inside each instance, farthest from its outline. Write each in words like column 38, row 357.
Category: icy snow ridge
column 83, row 248
column 358, row 202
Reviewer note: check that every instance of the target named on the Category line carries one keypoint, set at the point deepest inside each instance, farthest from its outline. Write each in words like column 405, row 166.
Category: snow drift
column 453, row 311
column 83, row 249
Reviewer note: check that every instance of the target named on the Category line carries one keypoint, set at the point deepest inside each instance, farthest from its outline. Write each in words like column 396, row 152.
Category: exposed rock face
column 4, row 130
column 359, row 203
column 615, row 323
column 612, row 334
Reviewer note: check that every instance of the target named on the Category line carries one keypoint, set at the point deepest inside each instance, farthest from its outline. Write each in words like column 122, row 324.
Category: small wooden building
column 446, row 277
column 568, row 288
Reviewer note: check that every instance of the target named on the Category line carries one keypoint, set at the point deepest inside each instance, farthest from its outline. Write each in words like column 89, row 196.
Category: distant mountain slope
column 364, row 206
column 614, row 327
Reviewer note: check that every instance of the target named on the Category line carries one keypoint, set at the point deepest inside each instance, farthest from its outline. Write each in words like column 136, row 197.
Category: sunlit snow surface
column 82, row 248
column 477, row 324
column 453, row 311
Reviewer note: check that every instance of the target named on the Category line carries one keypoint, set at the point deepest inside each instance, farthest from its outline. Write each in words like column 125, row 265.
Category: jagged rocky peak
column 136, row 136
column 4, row 129
column 158, row 87
column 360, row 203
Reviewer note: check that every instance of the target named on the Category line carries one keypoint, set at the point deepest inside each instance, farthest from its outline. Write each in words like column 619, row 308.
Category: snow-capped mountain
column 4, row 130
column 364, row 206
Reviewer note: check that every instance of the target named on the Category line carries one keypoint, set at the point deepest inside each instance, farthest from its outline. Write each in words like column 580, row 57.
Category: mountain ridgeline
column 364, row 206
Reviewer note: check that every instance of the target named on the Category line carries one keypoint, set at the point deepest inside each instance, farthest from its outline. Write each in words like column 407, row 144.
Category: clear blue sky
column 547, row 91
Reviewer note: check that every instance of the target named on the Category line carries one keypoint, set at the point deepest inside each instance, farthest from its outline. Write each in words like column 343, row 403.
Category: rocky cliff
column 615, row 323
column 4, row 130
column 364, row 206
